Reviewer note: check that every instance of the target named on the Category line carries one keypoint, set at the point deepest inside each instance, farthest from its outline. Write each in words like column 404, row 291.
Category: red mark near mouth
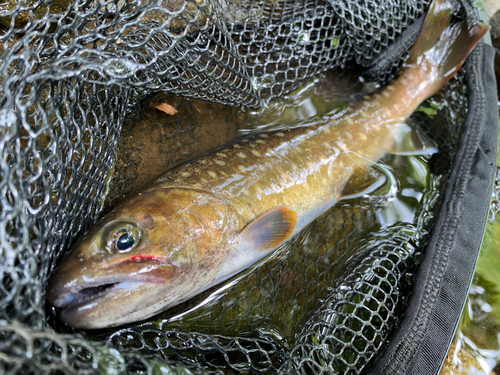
column 142, row 257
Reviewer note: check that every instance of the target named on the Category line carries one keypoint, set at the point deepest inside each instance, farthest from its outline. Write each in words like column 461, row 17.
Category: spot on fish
column 222, row 155
column 241, row 168
column 223, row 173
column 256, row 153
column 185, row 174
column 263, row 136
column 349, row 136
column 262, row 168
column 236, row 146
column 280, row 134
column 327, row 145
column 203, row 179
column 270, row 150
column 386, row 93
column 404, row 82
column 342, row 146
column 252, row 144
column 212, row 174
column 244, row 140
column 309, row 165
column 326, row 129
column 260, row 141
column 241, row 155
column 220, row 162
column 391, row 88
column 285, row 176
column 362, row 136
column 349, row 121
column 246, row 192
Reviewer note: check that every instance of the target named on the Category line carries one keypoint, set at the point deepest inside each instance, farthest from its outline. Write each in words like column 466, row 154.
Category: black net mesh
column 76, row 74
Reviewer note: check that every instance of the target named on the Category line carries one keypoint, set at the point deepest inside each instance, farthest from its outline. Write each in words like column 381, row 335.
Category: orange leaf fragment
column 165, row 107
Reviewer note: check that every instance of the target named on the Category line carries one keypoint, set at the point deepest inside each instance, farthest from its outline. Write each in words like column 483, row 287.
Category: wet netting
column 75, row 73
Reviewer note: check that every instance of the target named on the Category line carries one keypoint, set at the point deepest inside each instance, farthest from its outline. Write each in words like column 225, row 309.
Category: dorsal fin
column 269, row 230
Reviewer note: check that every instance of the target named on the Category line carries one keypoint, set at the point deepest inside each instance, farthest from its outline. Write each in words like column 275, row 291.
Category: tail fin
column 443, row 46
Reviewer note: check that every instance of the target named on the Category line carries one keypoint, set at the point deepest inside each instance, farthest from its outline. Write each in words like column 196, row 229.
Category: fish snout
column 74, row 290
column 60, row 289
column 78, row 272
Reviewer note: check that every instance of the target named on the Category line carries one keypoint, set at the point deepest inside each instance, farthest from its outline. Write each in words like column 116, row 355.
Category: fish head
column 153, row 251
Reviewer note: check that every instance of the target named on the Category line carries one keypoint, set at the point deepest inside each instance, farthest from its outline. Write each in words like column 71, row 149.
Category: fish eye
column 124, row 239
column 124, row 242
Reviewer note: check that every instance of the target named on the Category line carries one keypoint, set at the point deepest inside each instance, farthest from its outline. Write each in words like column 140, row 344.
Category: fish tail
column 441, row 49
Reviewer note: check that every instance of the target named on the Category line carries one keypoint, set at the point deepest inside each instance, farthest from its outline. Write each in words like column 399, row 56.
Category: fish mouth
column 75, row 292
column 97, row 305
column 85, row 296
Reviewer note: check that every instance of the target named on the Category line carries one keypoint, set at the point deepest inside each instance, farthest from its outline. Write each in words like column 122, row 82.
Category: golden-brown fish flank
column 214, row 216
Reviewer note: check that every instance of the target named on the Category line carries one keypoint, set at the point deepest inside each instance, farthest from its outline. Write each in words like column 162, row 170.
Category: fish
column 208, row 219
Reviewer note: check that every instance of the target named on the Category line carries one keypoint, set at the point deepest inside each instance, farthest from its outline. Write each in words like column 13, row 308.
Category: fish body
column 216, row 215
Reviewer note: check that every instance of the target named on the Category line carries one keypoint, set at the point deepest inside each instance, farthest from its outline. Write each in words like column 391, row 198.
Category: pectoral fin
column 363, row 182
column 408, row 140
column 269, row 230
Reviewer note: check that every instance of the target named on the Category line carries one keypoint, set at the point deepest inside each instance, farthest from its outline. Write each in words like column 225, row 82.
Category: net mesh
column 74, row 72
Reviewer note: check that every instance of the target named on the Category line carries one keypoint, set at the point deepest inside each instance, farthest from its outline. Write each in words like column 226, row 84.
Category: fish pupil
column 125, row 242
